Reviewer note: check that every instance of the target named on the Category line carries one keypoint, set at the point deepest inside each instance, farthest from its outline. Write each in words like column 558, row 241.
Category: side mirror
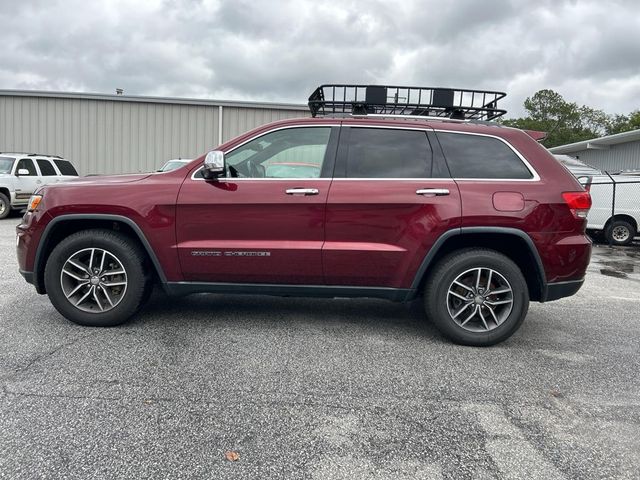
column 213, row 164
column 22, row 171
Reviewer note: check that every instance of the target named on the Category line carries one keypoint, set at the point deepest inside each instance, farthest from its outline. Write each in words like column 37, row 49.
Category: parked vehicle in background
column 615, row 209
column 397, row 193
column 173, row 164
column 578, row 168
column 22, row 173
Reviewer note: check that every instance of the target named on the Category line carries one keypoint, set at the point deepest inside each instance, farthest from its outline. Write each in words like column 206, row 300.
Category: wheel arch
column 623, row 217
column 511, row 242
column 65, row 225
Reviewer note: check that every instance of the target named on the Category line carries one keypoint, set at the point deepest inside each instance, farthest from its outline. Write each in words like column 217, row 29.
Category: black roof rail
column 444, row 103
column 44, row 155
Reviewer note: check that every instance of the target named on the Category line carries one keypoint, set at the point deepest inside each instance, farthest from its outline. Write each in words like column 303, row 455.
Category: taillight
column 578, row 202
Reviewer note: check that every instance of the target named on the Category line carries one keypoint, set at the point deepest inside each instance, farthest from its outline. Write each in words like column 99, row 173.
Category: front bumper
column 27, row 240
column 28, row 276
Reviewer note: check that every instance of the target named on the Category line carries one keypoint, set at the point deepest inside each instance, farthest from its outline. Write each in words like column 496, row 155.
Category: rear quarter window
column 476, row 156
column 66, row 168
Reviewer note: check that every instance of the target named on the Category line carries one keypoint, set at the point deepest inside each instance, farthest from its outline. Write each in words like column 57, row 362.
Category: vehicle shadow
column 266, row 310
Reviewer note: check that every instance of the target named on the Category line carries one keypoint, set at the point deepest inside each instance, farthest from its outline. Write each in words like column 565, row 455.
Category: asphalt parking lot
column 320, row 389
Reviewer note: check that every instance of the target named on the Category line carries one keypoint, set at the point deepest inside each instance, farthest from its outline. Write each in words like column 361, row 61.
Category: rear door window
column 46, row 168
column 388, row 153
column 477, row 156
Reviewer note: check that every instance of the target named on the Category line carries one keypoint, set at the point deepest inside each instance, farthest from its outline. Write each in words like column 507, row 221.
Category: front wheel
column 476, row 297
column 5, row 206
column 96, row 278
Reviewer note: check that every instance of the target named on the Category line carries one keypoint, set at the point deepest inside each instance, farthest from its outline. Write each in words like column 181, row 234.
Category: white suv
column 22, row 173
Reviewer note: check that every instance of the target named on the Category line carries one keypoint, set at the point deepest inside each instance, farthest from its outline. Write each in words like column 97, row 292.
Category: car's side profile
column 22, row 173
column 476, row 219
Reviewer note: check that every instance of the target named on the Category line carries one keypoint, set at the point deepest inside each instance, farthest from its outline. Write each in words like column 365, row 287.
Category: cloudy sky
column 280, row 50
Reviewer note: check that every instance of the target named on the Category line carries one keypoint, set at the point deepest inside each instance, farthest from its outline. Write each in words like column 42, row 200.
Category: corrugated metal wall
column 119, row 136
column 625, row 156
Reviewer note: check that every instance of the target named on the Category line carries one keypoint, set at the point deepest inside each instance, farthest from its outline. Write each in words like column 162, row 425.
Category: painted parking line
column 629, row 299
column 514, row 455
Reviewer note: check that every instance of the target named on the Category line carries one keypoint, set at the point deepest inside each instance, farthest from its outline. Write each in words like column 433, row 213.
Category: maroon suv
column 387, row 192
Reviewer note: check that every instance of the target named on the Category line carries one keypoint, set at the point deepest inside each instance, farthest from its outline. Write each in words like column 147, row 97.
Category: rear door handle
column 438, row 192
column 302, row 191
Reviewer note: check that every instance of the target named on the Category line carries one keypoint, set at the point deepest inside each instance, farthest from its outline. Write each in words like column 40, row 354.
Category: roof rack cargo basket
column 453, row 103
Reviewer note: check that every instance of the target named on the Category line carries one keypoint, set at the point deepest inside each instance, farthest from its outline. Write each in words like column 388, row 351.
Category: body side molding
column 283, row 290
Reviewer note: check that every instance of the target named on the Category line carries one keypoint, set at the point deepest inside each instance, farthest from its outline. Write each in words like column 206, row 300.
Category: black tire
column 5, row 206
column 461, row 262
column 129, row 255
column 620, row 232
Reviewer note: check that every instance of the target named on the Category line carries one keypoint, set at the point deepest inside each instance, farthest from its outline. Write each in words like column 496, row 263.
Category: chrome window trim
column 535, row 177
column 413, row 179
column 410, row 179
column 244, row 179
column 288, row 127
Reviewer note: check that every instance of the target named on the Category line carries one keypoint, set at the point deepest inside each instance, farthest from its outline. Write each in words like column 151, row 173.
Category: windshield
column 5, row 164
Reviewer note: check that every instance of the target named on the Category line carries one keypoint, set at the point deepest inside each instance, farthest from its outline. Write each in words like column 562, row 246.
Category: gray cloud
column 280, row 50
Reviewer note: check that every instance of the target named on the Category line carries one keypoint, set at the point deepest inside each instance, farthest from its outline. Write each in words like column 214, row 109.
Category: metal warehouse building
column 122, row 133
column 612, row 153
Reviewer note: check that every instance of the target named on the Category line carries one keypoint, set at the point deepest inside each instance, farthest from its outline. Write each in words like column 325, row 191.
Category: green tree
column 565, row 122
column 623, row 123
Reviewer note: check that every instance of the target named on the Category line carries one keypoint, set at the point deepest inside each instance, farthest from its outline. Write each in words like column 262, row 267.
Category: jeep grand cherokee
column 387, row 192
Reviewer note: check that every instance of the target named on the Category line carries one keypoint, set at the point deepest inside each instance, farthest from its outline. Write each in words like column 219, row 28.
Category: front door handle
column 302, row 191
column 438, row 192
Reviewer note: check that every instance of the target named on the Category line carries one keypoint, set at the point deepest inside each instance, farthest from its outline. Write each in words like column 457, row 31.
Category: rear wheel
column 5, row 206
column 620, row 232
column 96, row 278
column 476, row 297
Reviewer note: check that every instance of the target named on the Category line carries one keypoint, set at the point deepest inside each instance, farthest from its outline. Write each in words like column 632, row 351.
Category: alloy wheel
column 94, row 280
column 480, row 299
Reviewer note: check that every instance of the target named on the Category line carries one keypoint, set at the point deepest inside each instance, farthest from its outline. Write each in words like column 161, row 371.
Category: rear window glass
column 46, row 169
column 475, row 156
column 66, row 168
